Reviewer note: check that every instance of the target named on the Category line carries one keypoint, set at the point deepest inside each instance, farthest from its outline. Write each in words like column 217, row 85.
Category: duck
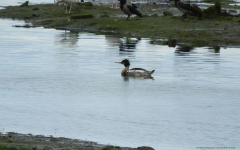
column 129, row 9
column 136, row 72
column 187, row 8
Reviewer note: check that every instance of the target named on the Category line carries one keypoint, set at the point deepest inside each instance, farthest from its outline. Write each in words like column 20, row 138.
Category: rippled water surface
column 65, row 83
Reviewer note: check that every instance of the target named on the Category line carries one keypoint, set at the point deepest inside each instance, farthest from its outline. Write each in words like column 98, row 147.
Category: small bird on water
column 134, row 71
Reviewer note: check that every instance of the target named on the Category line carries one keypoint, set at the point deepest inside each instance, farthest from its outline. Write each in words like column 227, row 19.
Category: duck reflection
column 67, row 38
column 126, row 78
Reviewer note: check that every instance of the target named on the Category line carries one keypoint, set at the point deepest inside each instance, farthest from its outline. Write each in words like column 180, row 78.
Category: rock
column 232, row 11
column 35, row 8
column 167, row 13
column 34, row 15
column 24, row 4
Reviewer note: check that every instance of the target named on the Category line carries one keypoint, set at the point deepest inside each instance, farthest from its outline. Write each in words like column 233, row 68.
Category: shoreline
column 224, row 31
column 18, row 141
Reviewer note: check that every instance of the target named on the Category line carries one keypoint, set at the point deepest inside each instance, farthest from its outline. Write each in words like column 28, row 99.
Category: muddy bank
column 17, row 141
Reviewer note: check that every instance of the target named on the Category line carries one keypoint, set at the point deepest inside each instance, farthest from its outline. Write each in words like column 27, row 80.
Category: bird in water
column 187, row 8
column 135, row 72
column 129, row 9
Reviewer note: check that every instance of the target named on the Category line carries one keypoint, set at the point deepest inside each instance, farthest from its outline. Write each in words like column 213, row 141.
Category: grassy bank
column 222, row 31
column 17, row 141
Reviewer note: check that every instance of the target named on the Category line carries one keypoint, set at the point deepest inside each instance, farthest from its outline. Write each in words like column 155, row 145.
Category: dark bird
column 134, row 72
column 129, row 9
column 187, row 8
column 24, row 4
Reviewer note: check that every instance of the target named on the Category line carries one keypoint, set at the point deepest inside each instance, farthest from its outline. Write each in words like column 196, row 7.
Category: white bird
column 69, row 2
column 115, row 2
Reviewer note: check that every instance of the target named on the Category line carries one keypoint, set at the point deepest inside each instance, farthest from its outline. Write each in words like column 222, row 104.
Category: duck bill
column 119, row 62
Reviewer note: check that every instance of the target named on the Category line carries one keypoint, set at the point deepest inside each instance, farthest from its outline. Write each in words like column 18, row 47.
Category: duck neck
column 123, row 73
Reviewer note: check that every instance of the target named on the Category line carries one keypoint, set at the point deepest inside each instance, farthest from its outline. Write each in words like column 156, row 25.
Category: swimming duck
column 187, row 8
column 129, row 9
column 134, row 71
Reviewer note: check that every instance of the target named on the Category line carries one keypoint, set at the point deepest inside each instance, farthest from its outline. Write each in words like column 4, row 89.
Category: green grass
column 5, row 147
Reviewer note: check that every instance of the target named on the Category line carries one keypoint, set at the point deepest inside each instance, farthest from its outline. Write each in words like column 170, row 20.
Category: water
column 66, row 84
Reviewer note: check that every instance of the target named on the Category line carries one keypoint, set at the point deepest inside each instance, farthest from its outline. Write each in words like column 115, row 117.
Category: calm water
column 64, row 83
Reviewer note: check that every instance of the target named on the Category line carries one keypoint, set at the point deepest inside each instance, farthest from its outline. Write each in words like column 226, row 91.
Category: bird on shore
column 112, row 4
column 187, row 8
column 129, row 9
column 24, row 4
column 134, row 72
column 69, row 2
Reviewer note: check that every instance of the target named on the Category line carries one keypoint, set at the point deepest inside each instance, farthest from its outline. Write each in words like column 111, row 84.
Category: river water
column 67, row 84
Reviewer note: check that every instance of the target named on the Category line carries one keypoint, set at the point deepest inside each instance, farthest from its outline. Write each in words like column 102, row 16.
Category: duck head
column 125, row 62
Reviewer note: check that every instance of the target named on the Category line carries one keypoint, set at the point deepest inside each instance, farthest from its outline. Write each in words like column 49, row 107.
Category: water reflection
column 126, row 78
column 194, row 55
column 67, row 38
column 215, row 49
column 128, row 44
column 183, row 50
column 112, row 41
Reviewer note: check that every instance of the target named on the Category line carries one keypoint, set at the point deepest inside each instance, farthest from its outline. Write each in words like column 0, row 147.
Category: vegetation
column 84, row 16
column 216, row 27
column 17, row 141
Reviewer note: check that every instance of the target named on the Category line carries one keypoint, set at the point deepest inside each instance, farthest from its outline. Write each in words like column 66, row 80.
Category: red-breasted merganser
column 134, row 71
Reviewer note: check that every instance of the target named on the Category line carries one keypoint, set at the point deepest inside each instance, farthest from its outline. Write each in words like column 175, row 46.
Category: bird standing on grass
column 69, row 2
column 187, row 8
column 116, row 4
column 129, row 9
